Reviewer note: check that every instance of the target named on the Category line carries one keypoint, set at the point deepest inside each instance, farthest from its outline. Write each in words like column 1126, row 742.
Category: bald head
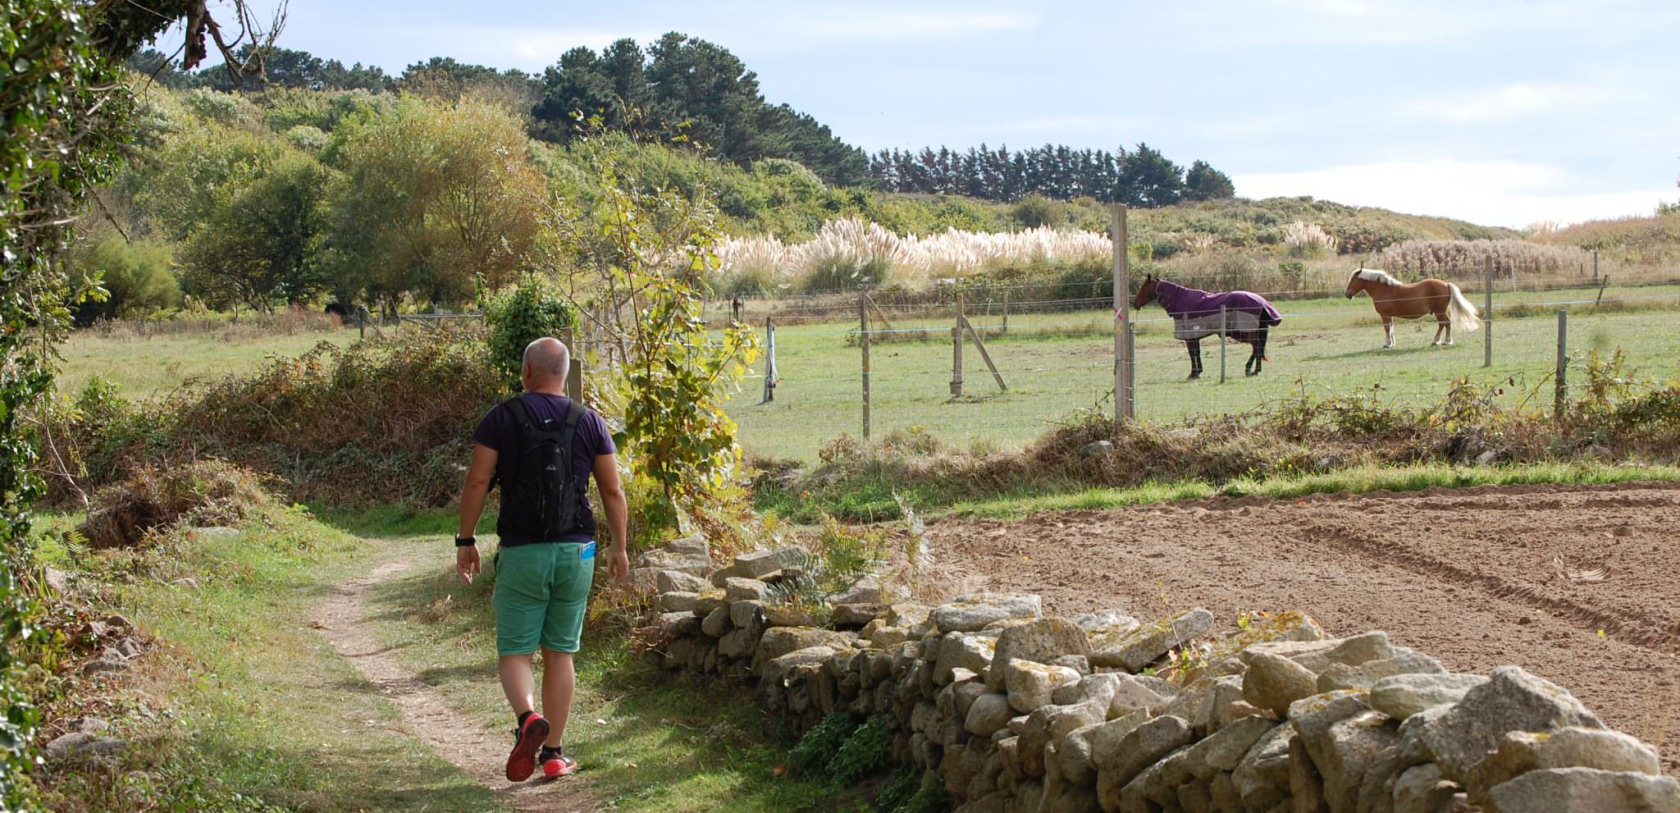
column 545, row 366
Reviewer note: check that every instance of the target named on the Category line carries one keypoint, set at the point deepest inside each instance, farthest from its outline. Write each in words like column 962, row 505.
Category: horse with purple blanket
column 1195, row 313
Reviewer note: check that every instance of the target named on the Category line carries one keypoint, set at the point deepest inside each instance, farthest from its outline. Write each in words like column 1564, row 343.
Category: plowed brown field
column 1476, row 577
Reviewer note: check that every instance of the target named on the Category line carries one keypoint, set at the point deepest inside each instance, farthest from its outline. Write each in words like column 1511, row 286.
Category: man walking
column 542, row 447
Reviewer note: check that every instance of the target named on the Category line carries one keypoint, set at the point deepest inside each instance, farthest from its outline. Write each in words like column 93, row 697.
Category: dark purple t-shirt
column 498, row 430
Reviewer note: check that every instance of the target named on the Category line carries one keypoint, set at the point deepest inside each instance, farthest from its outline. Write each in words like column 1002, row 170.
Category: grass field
column 1327, row 346
column 148, row 365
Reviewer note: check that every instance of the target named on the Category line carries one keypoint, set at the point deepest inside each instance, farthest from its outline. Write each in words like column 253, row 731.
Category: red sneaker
column 556, row 764
column 526, row 740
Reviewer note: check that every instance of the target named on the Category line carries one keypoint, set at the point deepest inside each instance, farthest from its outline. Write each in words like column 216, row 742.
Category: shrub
column 384, row 421
column 1035, row 211
column 531, row 310
column 822, row 742
column 867, row 751
column 136, row 277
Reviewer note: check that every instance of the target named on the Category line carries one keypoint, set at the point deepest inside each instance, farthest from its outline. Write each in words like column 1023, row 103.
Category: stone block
column 973, row 612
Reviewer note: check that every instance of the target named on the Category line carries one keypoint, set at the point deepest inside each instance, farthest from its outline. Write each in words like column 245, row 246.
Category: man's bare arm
column 473, row 494
column 618, row 514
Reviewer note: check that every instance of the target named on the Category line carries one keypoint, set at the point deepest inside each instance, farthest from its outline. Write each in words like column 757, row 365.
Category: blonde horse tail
column 1462, row 311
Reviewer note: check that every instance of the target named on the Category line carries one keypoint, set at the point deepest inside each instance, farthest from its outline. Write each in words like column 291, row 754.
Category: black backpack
column 540, row 503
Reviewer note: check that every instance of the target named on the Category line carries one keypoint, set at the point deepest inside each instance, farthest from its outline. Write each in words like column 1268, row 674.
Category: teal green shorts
column 541, row 593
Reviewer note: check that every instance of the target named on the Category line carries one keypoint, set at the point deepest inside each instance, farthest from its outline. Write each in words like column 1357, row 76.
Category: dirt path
column 478, row 751
column 1476, row 577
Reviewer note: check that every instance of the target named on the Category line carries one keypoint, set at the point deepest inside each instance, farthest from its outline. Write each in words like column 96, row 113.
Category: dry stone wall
column 1017, row 712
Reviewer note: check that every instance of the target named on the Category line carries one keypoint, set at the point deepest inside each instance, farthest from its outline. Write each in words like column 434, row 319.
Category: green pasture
column 144, row 365
column 1057, row 364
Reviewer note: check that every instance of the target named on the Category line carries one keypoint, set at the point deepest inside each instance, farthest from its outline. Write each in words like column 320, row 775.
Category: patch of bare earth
column 478, row 751
column 1577, row 584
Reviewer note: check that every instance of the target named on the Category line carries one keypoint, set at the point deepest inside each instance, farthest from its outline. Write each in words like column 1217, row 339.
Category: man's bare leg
column 559, row 682
column 517, row 682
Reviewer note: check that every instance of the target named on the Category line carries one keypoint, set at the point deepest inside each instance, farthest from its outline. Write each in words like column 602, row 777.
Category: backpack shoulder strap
column 574, row 411
column 521, row 413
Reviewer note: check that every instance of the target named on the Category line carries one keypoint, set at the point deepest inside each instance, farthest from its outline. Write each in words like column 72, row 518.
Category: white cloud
column 1402, row 22
column 1495, row 193
column 1520, row 99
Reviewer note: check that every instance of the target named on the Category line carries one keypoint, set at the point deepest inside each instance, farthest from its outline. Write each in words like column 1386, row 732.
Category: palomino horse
column 1195, row 313
column 1394, row 298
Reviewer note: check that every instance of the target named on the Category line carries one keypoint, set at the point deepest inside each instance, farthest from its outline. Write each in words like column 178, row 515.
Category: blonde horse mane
column 1376, row 275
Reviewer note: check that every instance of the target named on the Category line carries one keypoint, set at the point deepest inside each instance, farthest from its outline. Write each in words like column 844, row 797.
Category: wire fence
column 1055, row 357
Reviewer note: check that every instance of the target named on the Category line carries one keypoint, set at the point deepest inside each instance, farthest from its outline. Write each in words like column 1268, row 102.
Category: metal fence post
column 1487, row 313
column 771, row 374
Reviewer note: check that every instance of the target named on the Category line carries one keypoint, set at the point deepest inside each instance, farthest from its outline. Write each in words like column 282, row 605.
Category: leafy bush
column 1035, row 211
column 531, row 310
column 867, row 751
column 822, row 742
column 136, row 277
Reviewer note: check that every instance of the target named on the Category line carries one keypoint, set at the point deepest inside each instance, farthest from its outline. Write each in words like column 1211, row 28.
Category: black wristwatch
column 465, row 541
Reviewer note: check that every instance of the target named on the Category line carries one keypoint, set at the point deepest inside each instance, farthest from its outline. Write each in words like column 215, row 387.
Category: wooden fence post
column 956, row 359
column 863, row 341
column 956, row 351
column 1562, row 364
column 1123, row 407
column 574, row 368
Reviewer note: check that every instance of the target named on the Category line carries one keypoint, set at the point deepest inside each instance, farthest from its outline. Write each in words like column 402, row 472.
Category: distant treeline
column 689, row 91
column 1143, row 177
column 679, row 89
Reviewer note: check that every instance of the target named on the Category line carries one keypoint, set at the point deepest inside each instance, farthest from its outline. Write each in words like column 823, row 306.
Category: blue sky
column 1505, row 112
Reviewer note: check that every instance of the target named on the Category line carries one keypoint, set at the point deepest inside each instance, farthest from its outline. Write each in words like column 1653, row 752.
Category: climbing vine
column 63, row 121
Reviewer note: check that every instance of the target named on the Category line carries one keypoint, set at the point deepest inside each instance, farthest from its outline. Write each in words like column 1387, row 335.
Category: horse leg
column 1195, row 347
column 1258, row 342
column 1443, row 321
column 1388, row 332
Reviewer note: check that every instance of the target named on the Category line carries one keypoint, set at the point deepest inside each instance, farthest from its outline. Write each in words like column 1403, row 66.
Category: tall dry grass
column 846, row 253
column 1465, row 260
column 1308, row 240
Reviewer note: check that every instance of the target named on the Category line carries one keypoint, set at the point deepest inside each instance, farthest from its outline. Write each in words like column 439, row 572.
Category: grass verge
column 240, row 705
column 868, row 496
column 647, row 741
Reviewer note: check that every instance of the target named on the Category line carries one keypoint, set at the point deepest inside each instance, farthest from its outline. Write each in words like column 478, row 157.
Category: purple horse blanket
column 1195, row 312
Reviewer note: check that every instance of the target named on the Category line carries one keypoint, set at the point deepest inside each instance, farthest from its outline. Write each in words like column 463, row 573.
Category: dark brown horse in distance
column 1395, row 298
column 1196, row 316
